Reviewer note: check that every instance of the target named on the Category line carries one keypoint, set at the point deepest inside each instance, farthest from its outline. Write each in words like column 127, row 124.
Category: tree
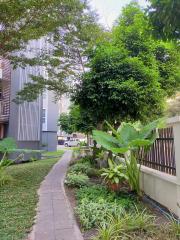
column 128, row 80
column 75, row 121
column 64, row 52
column 65, row 123
column 22, row 21
column 165, row 15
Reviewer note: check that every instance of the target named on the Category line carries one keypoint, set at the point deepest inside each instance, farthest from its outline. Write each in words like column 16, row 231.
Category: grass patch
column 18, row 199
column 54, row 154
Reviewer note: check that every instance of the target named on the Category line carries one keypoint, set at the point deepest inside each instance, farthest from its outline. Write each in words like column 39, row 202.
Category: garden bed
column 101, row 213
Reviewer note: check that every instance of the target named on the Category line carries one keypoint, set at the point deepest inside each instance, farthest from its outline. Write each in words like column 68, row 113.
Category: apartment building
column 5, row 82
column 32, row 124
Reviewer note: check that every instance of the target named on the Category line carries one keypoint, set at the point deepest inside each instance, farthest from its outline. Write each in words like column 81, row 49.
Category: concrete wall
column 49, row 130
column 163, row 187
column 49, row 141
column 25, row 118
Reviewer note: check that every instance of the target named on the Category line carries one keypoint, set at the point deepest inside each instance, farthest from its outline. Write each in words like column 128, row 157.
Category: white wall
column 163, row 187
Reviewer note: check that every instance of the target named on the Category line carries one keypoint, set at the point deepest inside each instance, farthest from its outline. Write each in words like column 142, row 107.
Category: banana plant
column 128, row 137
column 127, row 140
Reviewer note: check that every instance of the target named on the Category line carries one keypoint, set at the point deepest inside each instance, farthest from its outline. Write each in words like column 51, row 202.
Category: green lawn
column 19, row 198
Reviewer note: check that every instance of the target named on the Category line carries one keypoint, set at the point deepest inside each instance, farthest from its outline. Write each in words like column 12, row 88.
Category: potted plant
column 114, row 175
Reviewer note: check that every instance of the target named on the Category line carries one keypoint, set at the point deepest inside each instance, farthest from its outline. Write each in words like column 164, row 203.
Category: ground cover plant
column 104, row 214
column 19, row 197
column 76, row 180
column 96, row 204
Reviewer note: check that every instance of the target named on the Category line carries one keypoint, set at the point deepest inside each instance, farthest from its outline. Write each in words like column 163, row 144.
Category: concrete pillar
column 175, row 122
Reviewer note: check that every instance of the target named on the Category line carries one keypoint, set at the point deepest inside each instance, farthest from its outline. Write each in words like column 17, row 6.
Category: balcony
column 4, row 111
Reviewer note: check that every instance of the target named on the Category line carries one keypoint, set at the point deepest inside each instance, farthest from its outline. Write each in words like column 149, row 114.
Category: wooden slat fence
column 161, row 155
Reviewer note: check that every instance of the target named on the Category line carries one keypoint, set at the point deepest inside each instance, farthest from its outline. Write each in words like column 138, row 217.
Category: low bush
column 91, row 214
column 94, row 193
column 85, row 159
column 137, row 225
column 79, row 167
column 93, row 172
column 99, row 192
column 74, row 161
column 96, row 204
column 76, row 180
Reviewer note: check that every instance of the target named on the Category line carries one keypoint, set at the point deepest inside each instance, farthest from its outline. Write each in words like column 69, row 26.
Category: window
column 44, row 116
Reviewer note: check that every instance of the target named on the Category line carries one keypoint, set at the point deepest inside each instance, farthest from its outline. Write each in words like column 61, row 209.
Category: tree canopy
column 75, row 121
column 165, row 17
column 67, row 28
column 131, row 74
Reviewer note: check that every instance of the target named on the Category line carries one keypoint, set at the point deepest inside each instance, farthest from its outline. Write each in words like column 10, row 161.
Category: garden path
column 55, row 219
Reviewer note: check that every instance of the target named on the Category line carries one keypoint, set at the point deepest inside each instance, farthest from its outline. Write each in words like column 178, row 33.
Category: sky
column 109, row 10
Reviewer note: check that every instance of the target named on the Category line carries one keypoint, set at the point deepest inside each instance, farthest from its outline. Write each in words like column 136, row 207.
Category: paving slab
column 55, row 219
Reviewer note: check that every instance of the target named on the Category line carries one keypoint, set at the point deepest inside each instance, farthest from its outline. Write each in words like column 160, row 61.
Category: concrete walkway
column 55, row 220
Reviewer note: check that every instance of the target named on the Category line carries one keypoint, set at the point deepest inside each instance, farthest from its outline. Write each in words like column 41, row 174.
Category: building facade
column 32, row 124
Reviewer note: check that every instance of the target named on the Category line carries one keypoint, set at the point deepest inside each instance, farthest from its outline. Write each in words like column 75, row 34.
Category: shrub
column 98, row 192
column 91, row 214
column 94, row 193
column 85, row 159
column 79, row 167
column 76, row 180
column 96, row 204
column 93, row 172
column 128, row 225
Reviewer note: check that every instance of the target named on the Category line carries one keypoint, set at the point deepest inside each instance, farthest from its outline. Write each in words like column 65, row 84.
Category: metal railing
column 161, row 155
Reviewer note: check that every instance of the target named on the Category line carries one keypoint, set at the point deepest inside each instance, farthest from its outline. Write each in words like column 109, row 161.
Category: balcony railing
column 4, row 111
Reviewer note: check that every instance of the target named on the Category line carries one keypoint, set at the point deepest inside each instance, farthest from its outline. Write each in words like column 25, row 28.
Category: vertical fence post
column 176, row 130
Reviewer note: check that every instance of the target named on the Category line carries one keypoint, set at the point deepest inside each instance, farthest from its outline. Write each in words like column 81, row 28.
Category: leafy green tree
column 65, row 123
column 75, row 121
column 128, row 78
column 119, row 87
column 64, row 53
column 165, row 15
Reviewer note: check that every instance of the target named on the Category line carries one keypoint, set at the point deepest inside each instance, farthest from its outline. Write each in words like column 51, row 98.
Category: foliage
column 92, row 214
column 127, row 226
column 96, row 204
column 93, row 172
column 127, row 140
column 76, row 180
column 79, row 168
column 95, row 193
column 165, row 17
column 128, row 137
column 116, row 173
column 67, row 44
column 133, row 174
column 75, row 121
column 127, row 78
column 18, row 199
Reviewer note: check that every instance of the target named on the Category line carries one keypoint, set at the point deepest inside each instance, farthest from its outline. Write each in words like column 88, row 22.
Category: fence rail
column 161, row 155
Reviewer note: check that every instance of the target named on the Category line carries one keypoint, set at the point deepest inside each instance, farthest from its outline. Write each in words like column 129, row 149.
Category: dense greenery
column 117, row 215
column 131, row 75
column 63, row 53
column 76, row 121
column 96, row 204
column 127, row 140
column 18, row 199
column 76, row 180
column 165, row 15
